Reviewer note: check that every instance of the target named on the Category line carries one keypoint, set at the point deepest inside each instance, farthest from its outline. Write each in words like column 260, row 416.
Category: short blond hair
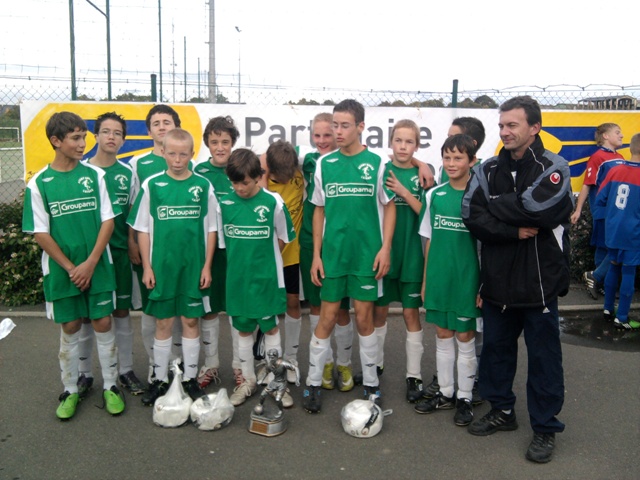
column 179, row 135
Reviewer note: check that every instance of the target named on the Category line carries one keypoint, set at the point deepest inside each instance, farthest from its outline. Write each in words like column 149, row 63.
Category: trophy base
column 267, row 426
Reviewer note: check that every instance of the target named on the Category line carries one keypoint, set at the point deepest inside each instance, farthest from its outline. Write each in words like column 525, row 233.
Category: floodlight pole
column 239, row 81
column 108, row 19
column 72, row 41
column 160, row 43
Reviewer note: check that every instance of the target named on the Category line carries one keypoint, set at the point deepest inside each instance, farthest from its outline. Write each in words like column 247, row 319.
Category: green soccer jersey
column 177, row 215
column 407, row 256
column 119, row 178
column 146, row 165
column 351, row 189
column 217, row 176
column 249, row 230
column 71, row 207
column 453, row 271
column 309, row 161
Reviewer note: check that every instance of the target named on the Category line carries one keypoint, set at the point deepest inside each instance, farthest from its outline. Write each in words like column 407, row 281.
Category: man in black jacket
column 518, row 205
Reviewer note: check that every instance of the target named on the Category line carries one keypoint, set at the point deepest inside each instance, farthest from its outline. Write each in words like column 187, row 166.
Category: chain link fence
column 13, row 90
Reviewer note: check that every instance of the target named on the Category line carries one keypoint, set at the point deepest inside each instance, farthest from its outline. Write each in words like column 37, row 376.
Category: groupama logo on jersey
column 349, row 190
column 178, row 212
column 76, row 205
column 449, row 223
column 250, row 233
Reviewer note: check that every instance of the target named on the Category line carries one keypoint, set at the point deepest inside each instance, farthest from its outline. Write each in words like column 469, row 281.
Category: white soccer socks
column 245, row 352
column 108, row 355
column 318, row 355
column 381, row 334
column 445, row 361
column 344, row 343
column 368, row 356
column 161, row 354
column 190, row 357
column 292, row 327
column 68, row 357
column 467, row 366
column 124, row 342
column 85, row 350
column 414, row 348
column 148, row 332
column 209, row 334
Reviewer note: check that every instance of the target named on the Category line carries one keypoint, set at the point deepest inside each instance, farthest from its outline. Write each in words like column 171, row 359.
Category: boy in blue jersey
column 618, row 203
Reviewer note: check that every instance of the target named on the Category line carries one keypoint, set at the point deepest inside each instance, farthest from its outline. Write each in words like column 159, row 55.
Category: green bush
column 20, row 270
column 581, row 250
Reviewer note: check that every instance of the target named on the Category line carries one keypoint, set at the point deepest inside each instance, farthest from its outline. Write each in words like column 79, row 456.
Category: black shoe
column 608, row 316
column 591, row 284
column 541, row 447
column 357, row 378
column 157, row 389
column 431, row 389
column 369, row 390
column 476, row 399
column 311, row 400
column 130, row 382
column 437, row 402
column 84, row 385
column 192, row 389
column 414, row 389
column 464, row 412
column 492, row 422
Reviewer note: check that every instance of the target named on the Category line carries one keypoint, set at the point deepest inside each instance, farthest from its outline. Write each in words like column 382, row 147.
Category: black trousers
column 498, row 362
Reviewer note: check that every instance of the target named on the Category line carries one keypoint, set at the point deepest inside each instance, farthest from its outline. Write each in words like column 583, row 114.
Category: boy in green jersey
column 160, row 120
column 110, row 131
column 255, row 226
column 325, row 142
column 451, row 283
column 176, row 209
column 68, row 209
column 352, row 231
column 404, row 280
column 220, row 136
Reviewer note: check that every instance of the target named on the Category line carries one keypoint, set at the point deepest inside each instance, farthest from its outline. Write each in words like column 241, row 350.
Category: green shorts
column 396, row 291
column 142, row 290
column 310, row 290
column 180, row 305
column 450, row 321
column 124, row 278
column 85, row 305
column 218, row 290
column 364, row 289
column 244, row 324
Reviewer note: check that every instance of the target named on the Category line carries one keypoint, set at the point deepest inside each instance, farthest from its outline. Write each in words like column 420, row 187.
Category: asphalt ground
column 600, row 412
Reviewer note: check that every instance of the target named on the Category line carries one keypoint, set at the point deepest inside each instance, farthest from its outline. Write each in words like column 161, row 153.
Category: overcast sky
column 379, row 45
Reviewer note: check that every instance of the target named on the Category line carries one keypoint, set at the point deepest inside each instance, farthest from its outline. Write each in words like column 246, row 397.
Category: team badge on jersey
column 261, row 210
column 122, row 181
column 87, row 183
column 555, row 178
column 195, row 191
column 366, row 169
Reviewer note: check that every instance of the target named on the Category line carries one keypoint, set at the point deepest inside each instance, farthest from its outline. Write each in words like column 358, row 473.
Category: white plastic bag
column 5, row 327
column 213, row 411
column 172, row 410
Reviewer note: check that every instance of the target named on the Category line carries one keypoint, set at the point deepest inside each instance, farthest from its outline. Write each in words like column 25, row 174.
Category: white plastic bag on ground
column 213, row 411
column 172, row 410
column 5, row 327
